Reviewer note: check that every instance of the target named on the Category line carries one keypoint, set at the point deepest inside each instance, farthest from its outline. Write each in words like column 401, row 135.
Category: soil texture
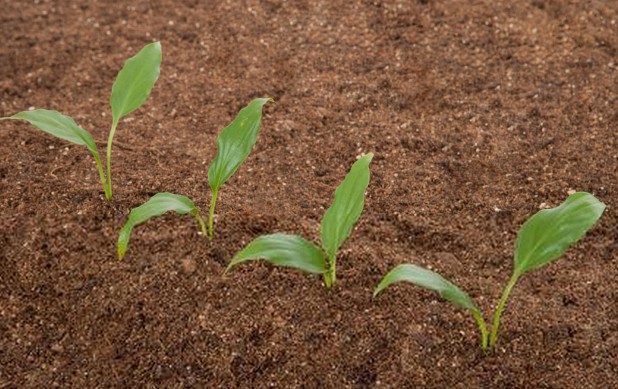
column 479, row 114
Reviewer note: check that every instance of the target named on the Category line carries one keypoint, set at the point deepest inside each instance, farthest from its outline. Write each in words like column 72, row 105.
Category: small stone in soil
column 188, row 265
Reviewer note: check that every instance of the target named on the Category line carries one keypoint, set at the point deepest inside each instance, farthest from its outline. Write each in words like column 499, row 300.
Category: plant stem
column 108, row 191
column 211, row 214
column 200, row 221
column 97, row 159
column 482, row 327
column 498, row 313
column 330, row 276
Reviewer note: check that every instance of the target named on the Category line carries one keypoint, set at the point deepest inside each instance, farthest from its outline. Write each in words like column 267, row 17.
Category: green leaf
column 156, row 206
column 135, row 81
column 346, row 208
column 55, row 123
column 550, row 232
column 428, row 280
column 283, row 250
column 235, row 143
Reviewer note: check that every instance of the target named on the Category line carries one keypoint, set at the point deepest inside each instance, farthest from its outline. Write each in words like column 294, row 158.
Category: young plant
column 337, row 224
column 234, row 145
column 131, row 88
column 541, row 240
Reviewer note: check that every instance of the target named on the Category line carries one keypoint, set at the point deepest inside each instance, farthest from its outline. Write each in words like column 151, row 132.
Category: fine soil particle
column 478, row 113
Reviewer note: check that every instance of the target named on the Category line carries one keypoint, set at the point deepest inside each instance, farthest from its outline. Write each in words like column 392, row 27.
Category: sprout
column 132, row 87
column 337, row 224
column 234, row 145
column 541, row 240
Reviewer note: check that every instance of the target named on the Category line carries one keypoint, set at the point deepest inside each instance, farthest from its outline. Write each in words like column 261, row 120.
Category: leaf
column 55, row 123
column 156, row 206
column 283, row 250
column 235, row 143
column 550, row 232
column 346, row 208
column 428, row 280
column 135, row 81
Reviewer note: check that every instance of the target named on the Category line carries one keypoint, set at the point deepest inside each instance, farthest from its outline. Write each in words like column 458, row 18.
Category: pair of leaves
column 131, row 88
column 234, row 144
column 337, row 224
column 541, row 240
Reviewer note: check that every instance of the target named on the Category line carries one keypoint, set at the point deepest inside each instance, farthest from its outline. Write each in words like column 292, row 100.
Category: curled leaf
column 283, row 250
column 429, row 280
column 156, row 206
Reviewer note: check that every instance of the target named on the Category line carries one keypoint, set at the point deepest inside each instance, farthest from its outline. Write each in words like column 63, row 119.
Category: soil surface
column 479, row 113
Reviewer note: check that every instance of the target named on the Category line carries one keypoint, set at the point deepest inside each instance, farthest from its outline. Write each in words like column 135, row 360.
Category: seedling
column 131, row 88
column 337, row 224
column 541, row 240
column 234, row 145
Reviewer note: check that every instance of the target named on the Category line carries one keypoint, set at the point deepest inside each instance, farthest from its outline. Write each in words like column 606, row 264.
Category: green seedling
column 131, row 88
column 157, row 206
column 234, row 145
column 542, row 239
column 337, row 224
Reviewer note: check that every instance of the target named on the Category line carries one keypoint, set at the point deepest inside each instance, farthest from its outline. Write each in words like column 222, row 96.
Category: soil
column 479, row 113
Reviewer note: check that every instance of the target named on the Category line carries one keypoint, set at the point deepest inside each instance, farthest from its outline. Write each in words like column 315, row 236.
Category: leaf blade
column 157, row 205
column 135, row 81
column 283, row 250
column 547, row 235
column 235, row 142
column 58, row 125
column 429, row 280
column 347, row 206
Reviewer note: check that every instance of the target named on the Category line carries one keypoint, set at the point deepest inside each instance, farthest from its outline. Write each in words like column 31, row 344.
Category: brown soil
column 478, row 112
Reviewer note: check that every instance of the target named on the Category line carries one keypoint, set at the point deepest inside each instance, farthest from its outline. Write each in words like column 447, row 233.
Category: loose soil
column 478, row 112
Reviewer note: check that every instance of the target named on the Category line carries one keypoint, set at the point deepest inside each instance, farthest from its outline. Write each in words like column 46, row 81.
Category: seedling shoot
column 544, row 238
column 234, row 144
column 130, row 90
column 337, row 224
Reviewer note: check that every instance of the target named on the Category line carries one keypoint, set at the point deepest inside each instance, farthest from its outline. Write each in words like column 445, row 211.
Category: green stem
column 108, row 191
column 482, row 327
column 211, row 214
column 200, row 221
column 330, row 276
column 498, row 313
column 97, row 159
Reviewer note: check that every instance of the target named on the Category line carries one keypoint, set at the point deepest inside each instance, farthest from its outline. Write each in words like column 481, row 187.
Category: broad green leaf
column 283, row 250
column 235, row 143
column 55, row 123
column 550, row 232
column 428, row 280
column 346, row 208
column 156, row 206
column 135, row 81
